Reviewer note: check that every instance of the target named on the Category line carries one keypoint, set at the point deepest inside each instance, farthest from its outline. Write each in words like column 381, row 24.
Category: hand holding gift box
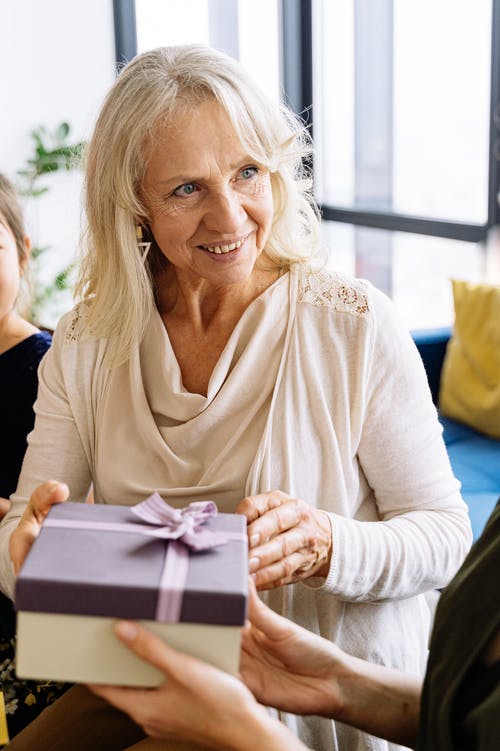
column 182, row 572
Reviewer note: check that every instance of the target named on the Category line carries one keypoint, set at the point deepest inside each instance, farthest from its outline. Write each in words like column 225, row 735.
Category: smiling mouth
column 222, row 249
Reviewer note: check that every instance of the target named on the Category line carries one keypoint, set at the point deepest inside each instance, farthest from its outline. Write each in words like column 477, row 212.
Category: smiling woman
column 218, row 359
column 209, row 214
column 210, row 209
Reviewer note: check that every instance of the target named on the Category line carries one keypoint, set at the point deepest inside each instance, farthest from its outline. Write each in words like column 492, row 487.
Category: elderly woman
column 213, row 357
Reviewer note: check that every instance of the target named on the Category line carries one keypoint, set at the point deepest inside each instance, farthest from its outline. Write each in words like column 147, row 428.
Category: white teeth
column 218, row 249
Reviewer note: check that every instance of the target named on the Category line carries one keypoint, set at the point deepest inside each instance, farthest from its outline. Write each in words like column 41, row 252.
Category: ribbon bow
column 185, row 525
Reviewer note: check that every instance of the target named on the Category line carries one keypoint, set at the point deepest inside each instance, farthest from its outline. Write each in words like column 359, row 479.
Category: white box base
column 84, row 649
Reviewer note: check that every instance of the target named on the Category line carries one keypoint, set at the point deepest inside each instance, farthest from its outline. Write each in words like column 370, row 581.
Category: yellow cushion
column 470, row 380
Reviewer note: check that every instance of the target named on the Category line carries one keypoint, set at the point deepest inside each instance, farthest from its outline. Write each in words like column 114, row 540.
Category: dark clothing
column 461, row 695
column 18, row 388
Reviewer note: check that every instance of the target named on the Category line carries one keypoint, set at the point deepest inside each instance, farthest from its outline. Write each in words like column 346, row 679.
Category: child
column 22, row 346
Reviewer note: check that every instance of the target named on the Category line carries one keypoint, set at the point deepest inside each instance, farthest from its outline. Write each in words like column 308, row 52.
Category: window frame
column 296, row 45
column 125, row 31
column 298, row 83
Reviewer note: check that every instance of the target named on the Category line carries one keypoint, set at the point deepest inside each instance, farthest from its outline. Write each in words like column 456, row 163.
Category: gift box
column 183, row 575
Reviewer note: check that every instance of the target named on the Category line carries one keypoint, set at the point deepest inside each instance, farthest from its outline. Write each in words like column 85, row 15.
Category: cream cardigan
column 342, row 418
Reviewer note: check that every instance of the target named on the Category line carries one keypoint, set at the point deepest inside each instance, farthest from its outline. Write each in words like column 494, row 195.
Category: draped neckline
column 192, row 446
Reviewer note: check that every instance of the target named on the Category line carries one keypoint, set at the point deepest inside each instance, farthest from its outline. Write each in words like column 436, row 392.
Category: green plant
column 52, row 152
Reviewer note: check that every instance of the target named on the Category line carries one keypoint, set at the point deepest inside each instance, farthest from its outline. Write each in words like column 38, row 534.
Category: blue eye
column 185, row 190
column 248, row 172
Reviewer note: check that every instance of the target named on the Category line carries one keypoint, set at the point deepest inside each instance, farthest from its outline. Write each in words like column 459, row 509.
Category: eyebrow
column 184, row 179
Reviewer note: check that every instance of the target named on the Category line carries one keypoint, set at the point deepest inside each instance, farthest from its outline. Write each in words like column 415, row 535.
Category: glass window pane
column 333, row 101
column 419, row 268
column 250, row 31
column 259, row 43
column 422, row 269
column 432, row 88
column 161, row 24
column 441, row 116
column 338, row 242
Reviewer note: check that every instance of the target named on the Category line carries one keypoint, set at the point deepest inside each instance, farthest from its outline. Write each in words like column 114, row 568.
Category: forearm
column 379, row 700
column 258, row 729
column 399, row 558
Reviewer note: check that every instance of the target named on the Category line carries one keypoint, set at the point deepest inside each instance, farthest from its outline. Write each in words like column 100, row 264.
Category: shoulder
column 329, row 289
column 351, row 308
column 24, row 357
column 72, row 325
column 36, row 347
column 76, row 357
column 73, row 341
column 41, row 342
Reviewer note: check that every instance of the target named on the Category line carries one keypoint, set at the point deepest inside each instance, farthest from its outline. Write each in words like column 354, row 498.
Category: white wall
column 57, row 62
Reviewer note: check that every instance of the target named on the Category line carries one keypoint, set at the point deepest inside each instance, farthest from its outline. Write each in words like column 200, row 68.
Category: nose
column 224, row 212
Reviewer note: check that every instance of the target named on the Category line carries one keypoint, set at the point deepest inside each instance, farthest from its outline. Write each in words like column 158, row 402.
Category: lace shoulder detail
column 334, row 291
column 76, row 325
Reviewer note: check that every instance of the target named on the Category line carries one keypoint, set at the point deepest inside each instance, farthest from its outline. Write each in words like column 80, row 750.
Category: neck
column 201, row 303
column 14, row 329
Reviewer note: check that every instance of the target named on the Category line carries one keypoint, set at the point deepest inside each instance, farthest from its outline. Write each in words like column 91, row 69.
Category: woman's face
column 210, row 205
column 9, row 269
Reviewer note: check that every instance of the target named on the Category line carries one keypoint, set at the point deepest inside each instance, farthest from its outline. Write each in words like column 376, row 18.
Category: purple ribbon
column 184, row 527
column 185, row 524
column 181, row 526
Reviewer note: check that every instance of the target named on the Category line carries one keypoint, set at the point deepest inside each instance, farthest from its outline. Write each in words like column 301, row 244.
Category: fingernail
column 254, row 540
column 253, row 564
column 127, row 630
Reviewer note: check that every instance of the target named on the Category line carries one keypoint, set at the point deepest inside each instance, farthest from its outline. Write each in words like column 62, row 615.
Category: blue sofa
column 475, row 458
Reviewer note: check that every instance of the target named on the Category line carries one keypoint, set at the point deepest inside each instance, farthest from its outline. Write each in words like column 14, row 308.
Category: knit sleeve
column 423, row 532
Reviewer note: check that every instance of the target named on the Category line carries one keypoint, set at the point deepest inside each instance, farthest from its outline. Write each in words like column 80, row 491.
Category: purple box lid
column 116, row 574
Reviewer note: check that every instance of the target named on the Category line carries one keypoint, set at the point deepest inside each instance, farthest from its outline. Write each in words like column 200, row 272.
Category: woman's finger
column 301, row 538
column 276, row 520
column 152, row 649
column 45, row 496
column 272, row 625
column 254, row 506
column 302, row 550
column 282, row 572
column 42, row 499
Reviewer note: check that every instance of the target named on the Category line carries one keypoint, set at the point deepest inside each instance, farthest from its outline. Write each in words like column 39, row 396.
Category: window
column 401, row 106
column 405, row 116
column 247, row 30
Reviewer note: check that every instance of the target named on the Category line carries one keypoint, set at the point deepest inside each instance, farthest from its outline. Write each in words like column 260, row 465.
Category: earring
column 142, row 246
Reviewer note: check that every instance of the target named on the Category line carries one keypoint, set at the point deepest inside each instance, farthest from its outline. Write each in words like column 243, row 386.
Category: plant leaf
column 62, row 131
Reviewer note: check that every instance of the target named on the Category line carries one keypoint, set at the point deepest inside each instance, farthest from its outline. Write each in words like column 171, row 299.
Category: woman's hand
column 289, row 539
column 196, row 703
column 40, row 503
column 289, row 667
